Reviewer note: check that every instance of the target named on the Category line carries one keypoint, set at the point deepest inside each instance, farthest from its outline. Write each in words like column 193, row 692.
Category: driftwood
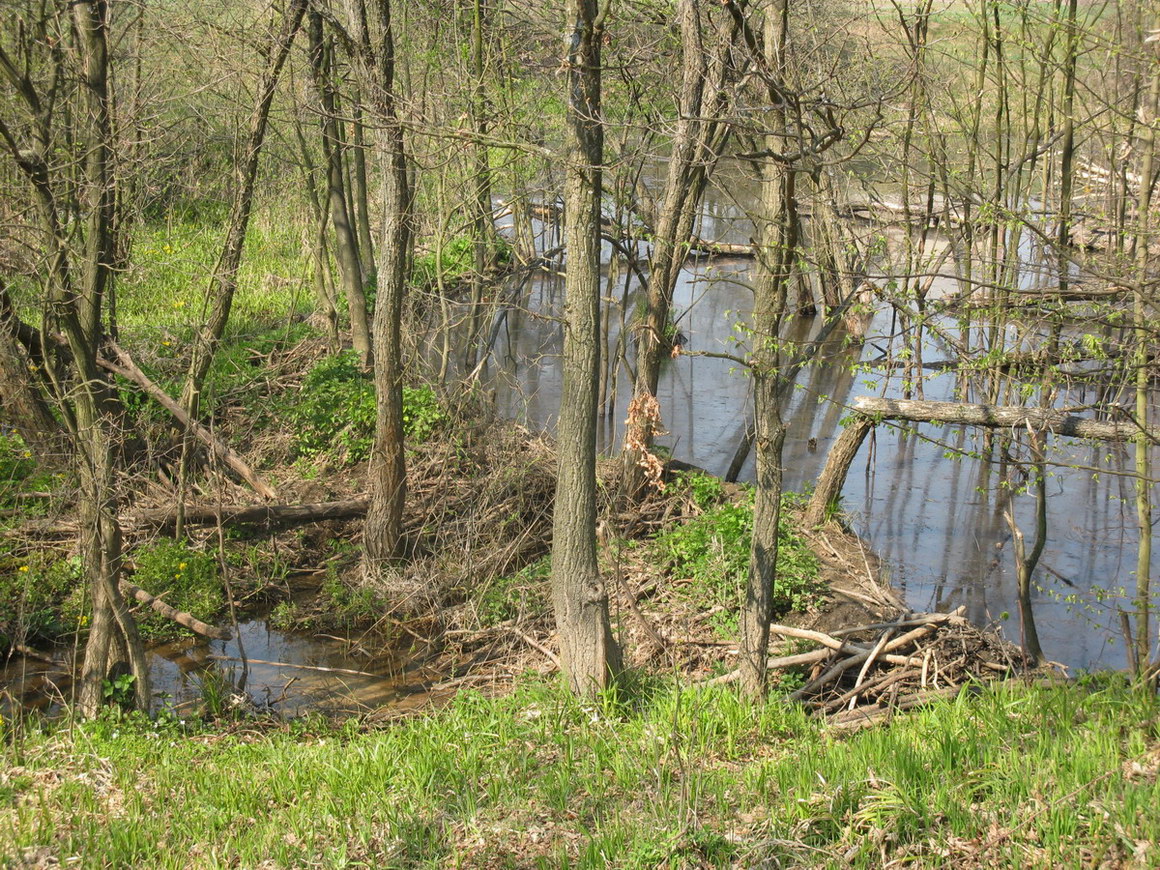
column 126, row 368
column 870, row 410
column 181, row 617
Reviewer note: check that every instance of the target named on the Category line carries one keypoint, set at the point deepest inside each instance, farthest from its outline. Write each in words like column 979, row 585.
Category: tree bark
column 387, row 477
column 695, row 142
column 347, row 246
column 588, row 652
column 777, row 243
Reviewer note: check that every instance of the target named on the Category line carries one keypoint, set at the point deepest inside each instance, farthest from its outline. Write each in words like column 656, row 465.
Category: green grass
column 666, row 776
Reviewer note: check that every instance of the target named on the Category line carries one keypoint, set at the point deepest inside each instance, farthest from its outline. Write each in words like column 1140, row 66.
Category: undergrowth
column 185, row 578
column 335, row 411
column 713, row 549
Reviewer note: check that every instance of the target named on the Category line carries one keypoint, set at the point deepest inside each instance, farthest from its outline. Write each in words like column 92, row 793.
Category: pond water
column 288, row 673
column 937, row 522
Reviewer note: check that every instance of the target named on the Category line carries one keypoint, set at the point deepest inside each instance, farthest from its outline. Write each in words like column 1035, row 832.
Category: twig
column 347, row 671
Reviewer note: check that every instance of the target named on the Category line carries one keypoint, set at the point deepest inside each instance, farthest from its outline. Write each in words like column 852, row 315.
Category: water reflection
column 929, row 499
column 283, row 672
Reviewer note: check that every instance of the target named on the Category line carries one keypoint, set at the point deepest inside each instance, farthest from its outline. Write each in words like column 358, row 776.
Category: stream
column 929, row 500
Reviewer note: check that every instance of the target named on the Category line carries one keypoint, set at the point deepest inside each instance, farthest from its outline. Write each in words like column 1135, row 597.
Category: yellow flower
column 181, row 567
column 165, row 344
column 23, row 567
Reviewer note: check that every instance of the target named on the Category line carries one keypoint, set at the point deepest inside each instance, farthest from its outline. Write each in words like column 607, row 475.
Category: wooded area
column 983, row 171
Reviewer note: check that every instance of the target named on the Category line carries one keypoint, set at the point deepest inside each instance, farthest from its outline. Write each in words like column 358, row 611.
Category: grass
column 662, row 776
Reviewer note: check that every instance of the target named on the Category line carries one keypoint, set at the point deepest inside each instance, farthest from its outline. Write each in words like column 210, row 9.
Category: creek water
column 288, row 673
column 928, row 499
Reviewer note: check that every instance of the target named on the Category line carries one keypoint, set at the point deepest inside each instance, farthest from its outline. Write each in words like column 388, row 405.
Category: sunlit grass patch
column 661, row 775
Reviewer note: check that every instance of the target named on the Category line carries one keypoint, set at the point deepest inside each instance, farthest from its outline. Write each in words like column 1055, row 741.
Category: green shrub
column 32, row 590
column 186, row 579
column 713, row 551
column 335, row 412
column 520, row 594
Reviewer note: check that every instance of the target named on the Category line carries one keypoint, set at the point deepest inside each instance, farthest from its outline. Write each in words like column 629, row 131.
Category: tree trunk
column 588, row 652
column 828, row 488
column 96, row 411
column 777, row 243
column 695, row 142
column 1144, row 437
column 346, row 246
column 387, row 478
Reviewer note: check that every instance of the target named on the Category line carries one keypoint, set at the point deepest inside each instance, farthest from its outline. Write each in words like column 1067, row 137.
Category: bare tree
column 78, row 281
column 588, row 650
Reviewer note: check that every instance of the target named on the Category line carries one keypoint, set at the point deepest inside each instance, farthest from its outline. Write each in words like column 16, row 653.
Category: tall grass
column 666, row 775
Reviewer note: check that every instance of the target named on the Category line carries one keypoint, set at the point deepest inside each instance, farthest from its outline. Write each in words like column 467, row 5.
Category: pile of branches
column 862, row 674
column 478, row 513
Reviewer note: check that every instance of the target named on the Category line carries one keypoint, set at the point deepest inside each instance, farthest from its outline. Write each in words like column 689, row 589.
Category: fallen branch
column 126, row 368
column 864, row 717
column 179, row 616
column 320, row 668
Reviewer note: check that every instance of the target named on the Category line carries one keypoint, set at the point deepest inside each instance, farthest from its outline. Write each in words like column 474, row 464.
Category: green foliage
column 119, row 690
column 16, row 462
column 186, row 579
column 335, row 412
column 348, row 605
column 705, row 490
column 32, row 590
column 454, row 262
column 713, row 551
column 422, row 414
column 521, row 594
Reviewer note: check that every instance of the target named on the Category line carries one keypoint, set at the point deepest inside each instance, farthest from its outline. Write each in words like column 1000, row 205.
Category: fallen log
column 126, row 368
column 179, row 616
column 160, row 518
column 273, row 514
column 1000, row 417
column 870, row 410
